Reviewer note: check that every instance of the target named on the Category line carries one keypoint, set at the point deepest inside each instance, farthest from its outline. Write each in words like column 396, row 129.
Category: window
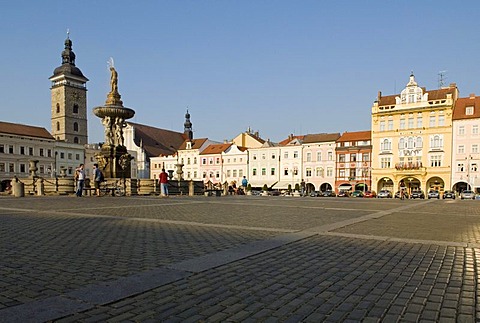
column 75, row 140
column 419, row 121
column 475, row 130
column 285, row 155
column 11, row 168
column 204, row 174
column 386, row 145
column 432, row 121
column 217, row 161
column 419, row 142
column 460, row 167
column 188, row 161
column 272, row 171
column 204, row 161
column 77, row 156
column 341, row 173
column 75, row 127
column 390, row 125
column 58, row 126
column 366, row 157
column 254, row 156
column 234, row 173
column 41, row 152
column 22, row 150
column 217, row 174
column 2, row 167
column 195, row 174
column 402, row 123
column 62, row 155
column 353, row 157
column 330, row 155
column 410, row 122
column 58, row 108
column 264, row 171
column 295, row 154
column 382, row 125
column 182, row 161
column 75, row 108
column 473, row 168
column 308, row 172
column 353, row 173
column 295, row 171
column 22, row 168
column 285, row 171
column 469, row 111
column 263, row 156
column 474, row 148
column 228, row 172
column 436, row 142
column 319, row 156
column 436, row 161
column 254, row 172
column 49, row 153
column 319, row 172
column 410, row 143
column 385, row 162
column 309, row 157
column 189, row 175
column 329, row 172
column 341, row 158
column 461, row 130
column 10, row 149
column 273, row 155
column 194, row 160
column 441, row 120
column 2, row 148
column 461, row 149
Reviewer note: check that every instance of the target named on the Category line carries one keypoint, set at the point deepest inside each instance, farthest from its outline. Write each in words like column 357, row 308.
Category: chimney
column 379, row 96
column 472, row 95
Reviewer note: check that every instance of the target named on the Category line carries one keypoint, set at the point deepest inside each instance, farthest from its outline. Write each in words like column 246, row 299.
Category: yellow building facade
column 412, row 139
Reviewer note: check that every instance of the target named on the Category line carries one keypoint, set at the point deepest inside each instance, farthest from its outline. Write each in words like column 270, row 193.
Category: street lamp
column 469, row 186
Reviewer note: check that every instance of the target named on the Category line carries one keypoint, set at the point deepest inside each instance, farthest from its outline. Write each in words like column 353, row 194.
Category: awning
column 283, row 185
column 345, row 187
column 260, row 183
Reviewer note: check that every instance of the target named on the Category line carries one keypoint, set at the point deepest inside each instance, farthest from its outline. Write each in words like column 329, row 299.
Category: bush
column 289, row 189
column 297, row 187
column 249, row 188
column 265, row 187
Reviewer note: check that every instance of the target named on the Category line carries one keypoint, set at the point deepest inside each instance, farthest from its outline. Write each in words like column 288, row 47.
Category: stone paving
column 238, row 259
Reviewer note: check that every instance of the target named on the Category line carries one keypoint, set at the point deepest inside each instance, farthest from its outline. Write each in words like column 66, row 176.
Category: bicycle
column 116, row 190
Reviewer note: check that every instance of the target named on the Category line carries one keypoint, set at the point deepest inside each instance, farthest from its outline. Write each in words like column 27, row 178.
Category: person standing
column 244, row 183
column 163, row 183
column 97, row 178
column 80, row 172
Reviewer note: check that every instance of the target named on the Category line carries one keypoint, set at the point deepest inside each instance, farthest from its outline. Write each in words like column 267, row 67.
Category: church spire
column 188, row 127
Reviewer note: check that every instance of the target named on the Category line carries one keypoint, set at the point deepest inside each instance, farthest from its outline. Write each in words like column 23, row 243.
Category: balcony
column 408, row 166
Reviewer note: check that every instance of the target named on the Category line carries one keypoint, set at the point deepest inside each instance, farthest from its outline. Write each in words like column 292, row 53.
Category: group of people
column 233, row 189
column 80, row 178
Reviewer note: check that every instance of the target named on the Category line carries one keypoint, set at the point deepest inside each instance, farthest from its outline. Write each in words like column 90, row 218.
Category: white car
column 384, row 194
column 469, row 195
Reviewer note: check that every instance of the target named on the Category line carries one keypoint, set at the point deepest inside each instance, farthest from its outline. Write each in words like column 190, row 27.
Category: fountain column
column 114, row 159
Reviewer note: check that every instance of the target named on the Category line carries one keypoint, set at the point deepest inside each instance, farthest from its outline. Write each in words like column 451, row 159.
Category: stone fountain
column 114, row 159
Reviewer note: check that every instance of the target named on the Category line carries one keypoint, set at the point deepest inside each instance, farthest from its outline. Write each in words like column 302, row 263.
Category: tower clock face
column 75, row 95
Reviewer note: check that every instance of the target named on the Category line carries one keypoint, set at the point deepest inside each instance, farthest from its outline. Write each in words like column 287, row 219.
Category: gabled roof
column 215, row 149
column 24, row 130
column 432, row 95
column 320, row 137
column 355, row 136
column 290, row 139
column 156, row 141
column 196, row 143
column 459, row 111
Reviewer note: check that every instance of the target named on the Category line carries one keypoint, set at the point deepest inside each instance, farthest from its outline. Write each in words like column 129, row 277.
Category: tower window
column 75, row 108
column 75, row 126
column 58, row 126
column 75, row 140
column 58, row 108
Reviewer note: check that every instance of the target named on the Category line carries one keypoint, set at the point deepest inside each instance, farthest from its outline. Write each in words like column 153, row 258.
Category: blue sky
column 278, row 67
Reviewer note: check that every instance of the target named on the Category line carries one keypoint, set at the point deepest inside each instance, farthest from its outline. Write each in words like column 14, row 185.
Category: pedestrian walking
column 163, row 183
column 244, row 183
column 97, row 178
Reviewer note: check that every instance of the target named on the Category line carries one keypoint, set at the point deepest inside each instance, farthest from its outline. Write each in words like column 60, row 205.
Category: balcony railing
column 408, row 165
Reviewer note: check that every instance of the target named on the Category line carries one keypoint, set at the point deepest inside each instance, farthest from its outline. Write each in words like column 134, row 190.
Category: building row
column 419, row 139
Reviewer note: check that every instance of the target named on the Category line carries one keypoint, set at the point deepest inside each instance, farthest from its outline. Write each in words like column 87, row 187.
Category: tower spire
column 188, row 126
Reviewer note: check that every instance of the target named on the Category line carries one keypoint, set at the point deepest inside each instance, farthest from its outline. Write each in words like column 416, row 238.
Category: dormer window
column 468, row 111
column 189, row 145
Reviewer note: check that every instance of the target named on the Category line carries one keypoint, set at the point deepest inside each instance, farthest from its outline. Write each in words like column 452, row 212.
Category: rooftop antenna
column 441, row 79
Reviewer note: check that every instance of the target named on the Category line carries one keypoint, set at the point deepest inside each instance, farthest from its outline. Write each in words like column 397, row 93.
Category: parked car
column 357, row 193
column 467, row 194
column 329, row 193
column 369, row 194
column 417, row 195
column 449, row 195
column 405, row 195
column 343, row 194
column 384, row 194
column 433, row 194
column 315, row 194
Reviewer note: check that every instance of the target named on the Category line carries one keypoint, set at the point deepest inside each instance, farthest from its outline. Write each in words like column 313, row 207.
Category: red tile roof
column 459, row 111
column 355, row 136
column 432, row 95
column 289, row 139
column 156, row 141
column 320, row 137
column 196, row 143
column 215, row 149
column 24, row 130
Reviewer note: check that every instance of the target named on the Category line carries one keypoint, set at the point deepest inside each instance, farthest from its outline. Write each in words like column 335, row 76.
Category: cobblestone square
column 150, row 259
